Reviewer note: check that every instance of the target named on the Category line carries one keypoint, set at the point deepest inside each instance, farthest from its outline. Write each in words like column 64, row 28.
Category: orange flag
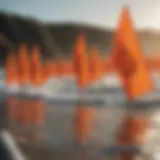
column 80, row 61
column 95, row 65
column 11, row 69
column 23, row 63
column 128, row 59
column 36, row 68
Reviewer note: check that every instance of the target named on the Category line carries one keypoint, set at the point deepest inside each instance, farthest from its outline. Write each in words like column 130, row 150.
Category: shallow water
column 52, row 136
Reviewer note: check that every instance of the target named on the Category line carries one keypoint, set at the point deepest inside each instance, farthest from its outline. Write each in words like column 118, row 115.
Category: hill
column 58, row 39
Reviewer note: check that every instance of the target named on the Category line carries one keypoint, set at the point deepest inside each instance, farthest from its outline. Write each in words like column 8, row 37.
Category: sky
column 103, row 13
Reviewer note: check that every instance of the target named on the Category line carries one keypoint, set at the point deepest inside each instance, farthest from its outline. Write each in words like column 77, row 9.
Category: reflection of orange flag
column 129, row 61
column 95, row 66
column 132, row 133
column 36, row 68
column 11, row 69
column 25, row 107
column 23, row 63
column 81, row 62
column 37, row 113
column 38, row 119
column 83, row 117
column 12, row 109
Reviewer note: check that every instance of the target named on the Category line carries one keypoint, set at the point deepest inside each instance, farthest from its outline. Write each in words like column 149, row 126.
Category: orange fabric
column 80, row 61
column 96, row 71
column 128, row 60
column 11, row 69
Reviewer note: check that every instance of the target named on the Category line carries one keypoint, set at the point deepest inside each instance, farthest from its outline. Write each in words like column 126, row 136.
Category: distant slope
column 59, row 39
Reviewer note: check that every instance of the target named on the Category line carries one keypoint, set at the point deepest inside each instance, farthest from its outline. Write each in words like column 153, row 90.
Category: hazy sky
column 145, row 13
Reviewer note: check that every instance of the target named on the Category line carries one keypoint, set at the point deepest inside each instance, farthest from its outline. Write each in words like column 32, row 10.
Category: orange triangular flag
column 36, row 68
column 23, row 63
column 80, row 61
column 128, row 59
column 11, row 69
column 95, row 65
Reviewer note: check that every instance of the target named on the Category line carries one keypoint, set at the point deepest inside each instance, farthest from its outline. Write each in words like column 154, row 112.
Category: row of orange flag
column 126, row 59
column 22, row 70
